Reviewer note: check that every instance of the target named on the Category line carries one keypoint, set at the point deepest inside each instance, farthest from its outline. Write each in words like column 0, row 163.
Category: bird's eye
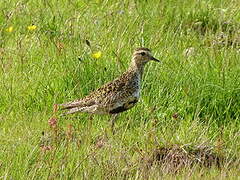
column 143, row 53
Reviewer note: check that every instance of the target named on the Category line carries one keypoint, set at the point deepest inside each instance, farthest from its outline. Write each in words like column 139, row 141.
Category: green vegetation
column 189, row 102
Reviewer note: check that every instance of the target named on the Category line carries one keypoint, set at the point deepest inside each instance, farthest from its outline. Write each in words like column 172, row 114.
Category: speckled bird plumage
column 118, row 95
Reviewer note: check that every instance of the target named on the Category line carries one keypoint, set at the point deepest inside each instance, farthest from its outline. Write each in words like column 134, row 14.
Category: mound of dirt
column 177, row 157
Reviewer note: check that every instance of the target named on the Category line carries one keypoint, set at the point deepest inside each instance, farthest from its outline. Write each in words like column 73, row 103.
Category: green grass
column 53, row 64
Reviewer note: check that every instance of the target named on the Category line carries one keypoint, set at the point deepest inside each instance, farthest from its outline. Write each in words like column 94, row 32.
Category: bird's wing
column 105, row 95
column 97, row 96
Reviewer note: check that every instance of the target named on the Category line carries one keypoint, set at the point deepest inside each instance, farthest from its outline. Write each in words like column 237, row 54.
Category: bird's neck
column 137, row 67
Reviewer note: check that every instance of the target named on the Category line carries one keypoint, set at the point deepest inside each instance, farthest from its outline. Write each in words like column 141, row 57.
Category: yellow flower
column 32, row 27
column 97, row 55
column 9, row 29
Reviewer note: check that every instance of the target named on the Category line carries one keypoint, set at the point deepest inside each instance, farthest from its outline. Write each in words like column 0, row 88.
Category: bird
column 118, row 95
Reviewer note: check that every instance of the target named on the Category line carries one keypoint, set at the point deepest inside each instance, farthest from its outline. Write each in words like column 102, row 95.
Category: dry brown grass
column 174, row 158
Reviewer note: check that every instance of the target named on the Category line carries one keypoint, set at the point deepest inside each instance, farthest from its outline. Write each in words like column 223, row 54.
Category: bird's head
column 143, row 55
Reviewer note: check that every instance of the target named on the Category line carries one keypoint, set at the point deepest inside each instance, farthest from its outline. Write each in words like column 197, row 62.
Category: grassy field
column 187, row 123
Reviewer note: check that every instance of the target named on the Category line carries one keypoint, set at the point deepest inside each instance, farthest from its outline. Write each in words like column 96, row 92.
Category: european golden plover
column 118, row 95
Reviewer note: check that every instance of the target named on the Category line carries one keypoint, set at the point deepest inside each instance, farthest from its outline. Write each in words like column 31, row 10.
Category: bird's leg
column 55, row 108
column 90, row 122
column 112, row 121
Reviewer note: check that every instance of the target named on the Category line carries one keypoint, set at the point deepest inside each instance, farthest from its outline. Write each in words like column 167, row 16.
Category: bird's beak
column 154, row 59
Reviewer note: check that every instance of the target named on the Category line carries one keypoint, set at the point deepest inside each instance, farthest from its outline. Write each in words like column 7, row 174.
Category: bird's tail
column 69, row 105
column 73, row 110
column 76, row 106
